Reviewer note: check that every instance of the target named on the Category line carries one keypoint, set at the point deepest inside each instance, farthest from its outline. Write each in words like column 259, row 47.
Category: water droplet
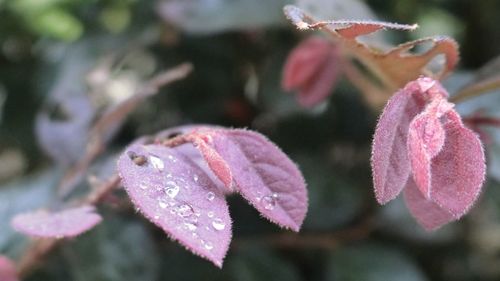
column 208, row 245
column 172, row 189
column 210, row 196
column 218, row 224
column 156, row 217
column 259, row 196
column 184, row 210
column 190, row 226
column 143, row 185
column 269, row 201
column 210, row 214
column 195, row 178
column 157, row 163
column 162, row 204
column 172, row 158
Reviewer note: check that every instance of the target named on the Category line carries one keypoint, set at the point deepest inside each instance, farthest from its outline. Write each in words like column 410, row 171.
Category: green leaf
column 56, row 23
column 372, row 263
column 204, row 17
column 332, row 200
column 118, row 249
column 256, row 263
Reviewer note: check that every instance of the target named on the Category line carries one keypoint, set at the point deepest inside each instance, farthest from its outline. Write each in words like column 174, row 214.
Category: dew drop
column 157, row 163
column 162, row 204
column 218, row 224
column 156, row 217
column 195, row 178
column 208, row 245
column 172, row 158
column 210, row 214
column 190, row 226
column 210, row 196
column 172, row 189
column 269, row 201
column 184, row 210
column 143, row 185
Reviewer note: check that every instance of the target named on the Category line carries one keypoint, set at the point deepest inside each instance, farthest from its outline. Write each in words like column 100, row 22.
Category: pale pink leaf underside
column 346, row 28
column 312, row 69
column 320, row 87
column 7, row 270
column 265, row 176
column 174, row 193
column 458, row 171
column 66, row 223
column 389, row 161
column 304, row 61
column 427, row 213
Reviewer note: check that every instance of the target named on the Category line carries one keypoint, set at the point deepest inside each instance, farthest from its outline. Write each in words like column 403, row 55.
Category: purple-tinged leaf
column 426, row 137
column 458, row 171
column 66, row 223
column 264, row 175
column 177, row 195
column 389, row 160
column 62, row 127
column 7, row 270
column 427, row 213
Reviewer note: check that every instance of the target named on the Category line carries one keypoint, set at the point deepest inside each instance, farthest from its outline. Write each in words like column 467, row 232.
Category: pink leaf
column 425, row 139
column 312, row 69
column 389, row 161
column 174, row 193
column 264, row 175
column 66, row 223
column 427, row 213
column 445, row 158
column 458, row 171
column 7, row 270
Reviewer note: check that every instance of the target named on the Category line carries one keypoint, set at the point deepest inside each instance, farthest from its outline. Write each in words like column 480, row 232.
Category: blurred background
column 64, row 62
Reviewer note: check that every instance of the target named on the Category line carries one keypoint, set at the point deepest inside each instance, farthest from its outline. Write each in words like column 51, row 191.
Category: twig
column 327, row 241
column 112, row 119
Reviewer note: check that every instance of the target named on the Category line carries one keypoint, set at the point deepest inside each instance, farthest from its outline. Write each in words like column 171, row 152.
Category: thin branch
column 328, row 241
column 112, row 119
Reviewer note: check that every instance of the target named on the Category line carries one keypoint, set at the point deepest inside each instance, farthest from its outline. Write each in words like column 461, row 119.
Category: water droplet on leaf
column 218, row 224
column 184, row 210
column 269, row 201
column 157, row 163
column 210, row 196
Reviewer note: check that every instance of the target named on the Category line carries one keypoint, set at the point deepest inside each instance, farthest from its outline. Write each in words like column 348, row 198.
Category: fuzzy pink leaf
column 458, row 171
column 389, row 161
column 427, row 213
column 66, row 223
column 426, row 137
column 7, row 270
column 174, row 193
column 264, row 175
column 312, row 69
